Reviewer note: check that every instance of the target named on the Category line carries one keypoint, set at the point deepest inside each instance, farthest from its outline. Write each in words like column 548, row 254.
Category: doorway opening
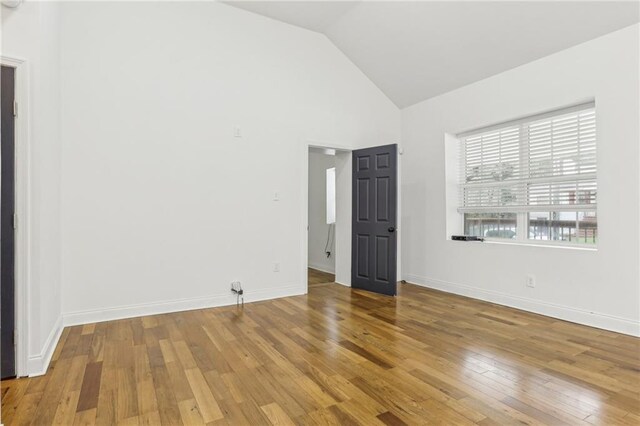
column 359, row 245
column 321, row 250
column 327, row 207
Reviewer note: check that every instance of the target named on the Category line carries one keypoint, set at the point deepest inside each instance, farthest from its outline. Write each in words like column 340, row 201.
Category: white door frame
column 304, row 247
column 22, row 206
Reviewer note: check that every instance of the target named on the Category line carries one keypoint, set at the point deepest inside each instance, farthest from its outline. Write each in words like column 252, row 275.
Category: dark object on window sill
column 466, row 238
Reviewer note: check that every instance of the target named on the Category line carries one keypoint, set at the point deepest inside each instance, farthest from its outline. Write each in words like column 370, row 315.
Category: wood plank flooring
column 319, row 277
column 336, row 356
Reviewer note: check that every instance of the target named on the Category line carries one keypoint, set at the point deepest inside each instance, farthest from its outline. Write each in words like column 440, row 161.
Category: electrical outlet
column 531, row 281
column 276, row 267
column 236, row 287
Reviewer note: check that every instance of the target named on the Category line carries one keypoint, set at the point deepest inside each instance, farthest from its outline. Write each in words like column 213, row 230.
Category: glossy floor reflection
column 316, row 277
column 336, row 356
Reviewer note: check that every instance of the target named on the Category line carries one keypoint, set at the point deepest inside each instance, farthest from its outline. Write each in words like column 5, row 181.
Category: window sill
column 531, row 244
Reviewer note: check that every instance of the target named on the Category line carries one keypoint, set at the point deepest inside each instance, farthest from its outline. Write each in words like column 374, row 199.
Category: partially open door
column 7, row 237
column 374, row 237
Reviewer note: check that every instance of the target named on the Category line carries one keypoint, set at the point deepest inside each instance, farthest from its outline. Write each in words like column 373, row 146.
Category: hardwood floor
column 336, row 356
column 318, row 277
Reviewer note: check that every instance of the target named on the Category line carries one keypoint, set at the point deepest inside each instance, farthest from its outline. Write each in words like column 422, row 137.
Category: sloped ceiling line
column 416, row 50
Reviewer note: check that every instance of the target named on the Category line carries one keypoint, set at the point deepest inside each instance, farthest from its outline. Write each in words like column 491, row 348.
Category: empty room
column 320, row 212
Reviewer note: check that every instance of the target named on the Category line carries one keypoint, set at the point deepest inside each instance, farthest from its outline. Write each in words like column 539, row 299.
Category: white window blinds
column 541, row 163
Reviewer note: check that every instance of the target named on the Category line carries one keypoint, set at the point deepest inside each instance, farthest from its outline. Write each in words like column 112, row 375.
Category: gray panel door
column 7, row 203
column 374, row 237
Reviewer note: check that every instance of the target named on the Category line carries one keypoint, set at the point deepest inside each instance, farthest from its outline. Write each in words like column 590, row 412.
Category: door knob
column 391, row 229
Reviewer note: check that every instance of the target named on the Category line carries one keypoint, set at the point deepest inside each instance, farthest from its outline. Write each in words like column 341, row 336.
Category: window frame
column 522, row 217
column 522, row 222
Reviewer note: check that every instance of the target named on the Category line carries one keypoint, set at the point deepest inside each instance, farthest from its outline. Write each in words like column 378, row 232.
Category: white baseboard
column 321, row 268
column 37, row 365
column 567, row 313
column 163, row 307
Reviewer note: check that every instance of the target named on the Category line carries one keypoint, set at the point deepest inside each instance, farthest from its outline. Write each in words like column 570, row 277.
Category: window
column 331, row 196
column 532, row 179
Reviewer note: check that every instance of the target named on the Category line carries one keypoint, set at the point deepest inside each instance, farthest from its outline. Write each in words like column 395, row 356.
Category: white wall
column 30, row 32
column 318, row 227
column 162, row 207
column 343, row 217
column 600, row 288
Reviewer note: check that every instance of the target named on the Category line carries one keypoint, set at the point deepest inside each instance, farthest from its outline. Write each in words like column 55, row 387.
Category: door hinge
column 14, row 338
column 15, row 108
column 15, row 221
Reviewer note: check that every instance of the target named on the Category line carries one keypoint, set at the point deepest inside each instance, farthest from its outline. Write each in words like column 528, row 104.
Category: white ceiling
column 312, row 15
column 414, row 50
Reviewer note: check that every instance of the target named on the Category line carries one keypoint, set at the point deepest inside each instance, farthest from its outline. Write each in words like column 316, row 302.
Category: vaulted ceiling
column 414, row 50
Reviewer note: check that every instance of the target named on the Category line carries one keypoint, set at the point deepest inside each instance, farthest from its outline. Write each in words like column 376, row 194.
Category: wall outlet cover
column 531, row 281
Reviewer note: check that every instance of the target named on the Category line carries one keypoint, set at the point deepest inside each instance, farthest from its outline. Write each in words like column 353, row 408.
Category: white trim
column 304, row 214
column 304, row 243
column 529, row 242
column 304, row 249
column 168, row 306
column 580, row 106
column 38, row 364
column 321, row 268
column 566, row 313
column 22, row 206
column 310, row 143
